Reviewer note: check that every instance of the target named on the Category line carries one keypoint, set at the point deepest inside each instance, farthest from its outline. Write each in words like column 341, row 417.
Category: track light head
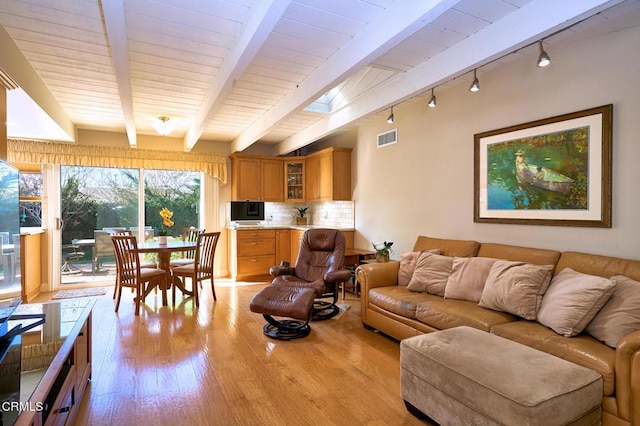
column 475, row 86
column 390, row 118
column 543, row 58
column 432, row 101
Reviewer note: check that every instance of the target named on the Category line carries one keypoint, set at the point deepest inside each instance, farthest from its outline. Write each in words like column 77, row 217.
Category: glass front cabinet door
column 294, row 180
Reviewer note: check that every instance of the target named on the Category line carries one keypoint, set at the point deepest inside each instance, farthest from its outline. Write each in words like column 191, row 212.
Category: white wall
column 423, row 185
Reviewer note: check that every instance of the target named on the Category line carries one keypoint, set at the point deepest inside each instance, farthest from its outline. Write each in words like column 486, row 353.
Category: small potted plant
column 302, row 219
column 382, row 251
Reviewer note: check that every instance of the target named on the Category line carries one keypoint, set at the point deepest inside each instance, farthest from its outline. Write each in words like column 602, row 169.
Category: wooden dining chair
column 202, row 267
column 188, row 257
column 143, row 263
column 130, row 272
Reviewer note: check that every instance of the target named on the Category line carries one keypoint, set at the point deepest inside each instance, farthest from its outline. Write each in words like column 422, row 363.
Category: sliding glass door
column 95, row 202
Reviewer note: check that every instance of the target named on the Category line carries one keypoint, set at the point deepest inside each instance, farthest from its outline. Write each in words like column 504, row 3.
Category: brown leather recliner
column 320, row 265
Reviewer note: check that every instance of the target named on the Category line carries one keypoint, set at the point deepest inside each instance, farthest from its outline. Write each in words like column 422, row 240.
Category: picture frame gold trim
column 593, row 188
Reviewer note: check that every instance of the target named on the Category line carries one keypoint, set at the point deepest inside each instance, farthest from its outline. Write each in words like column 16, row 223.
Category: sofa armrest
column 276, row 271
column 628, row 377
column 340, row 276
column 373, row 275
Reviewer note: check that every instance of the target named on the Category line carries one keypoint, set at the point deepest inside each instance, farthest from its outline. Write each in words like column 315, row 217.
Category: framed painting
column 555, row 171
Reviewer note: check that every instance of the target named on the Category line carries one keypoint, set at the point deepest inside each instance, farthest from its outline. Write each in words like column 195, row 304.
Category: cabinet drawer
column 256, row 247
column 255, row 265
column 256, row 234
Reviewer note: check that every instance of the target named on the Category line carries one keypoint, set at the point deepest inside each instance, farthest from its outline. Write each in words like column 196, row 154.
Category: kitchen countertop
column 296, row 227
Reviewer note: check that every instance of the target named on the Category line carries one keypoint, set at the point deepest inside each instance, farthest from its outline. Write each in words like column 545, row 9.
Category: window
column 30, row 189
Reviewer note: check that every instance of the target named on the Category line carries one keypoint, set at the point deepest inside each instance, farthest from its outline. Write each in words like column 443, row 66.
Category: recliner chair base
column 285, row 329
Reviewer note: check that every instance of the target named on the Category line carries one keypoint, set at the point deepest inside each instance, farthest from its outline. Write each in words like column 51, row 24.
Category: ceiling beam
column 264, row 17
column 15, row 64
column 399, row 21
column 532, row 22
column 115, row 21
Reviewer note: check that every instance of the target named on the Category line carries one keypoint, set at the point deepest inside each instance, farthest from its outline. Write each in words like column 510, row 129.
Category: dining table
column 164, row 251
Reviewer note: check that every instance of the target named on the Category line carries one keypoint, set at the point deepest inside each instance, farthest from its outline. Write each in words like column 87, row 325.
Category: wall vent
column 387, row 138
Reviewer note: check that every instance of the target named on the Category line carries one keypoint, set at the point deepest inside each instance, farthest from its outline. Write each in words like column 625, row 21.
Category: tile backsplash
column 332, row 214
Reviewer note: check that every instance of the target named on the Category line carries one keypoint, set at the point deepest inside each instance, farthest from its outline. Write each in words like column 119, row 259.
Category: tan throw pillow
column 431, row 273
column 620, row 316
column 467, row 279
column 408, row 265
column 516, row 288
column 573, row 300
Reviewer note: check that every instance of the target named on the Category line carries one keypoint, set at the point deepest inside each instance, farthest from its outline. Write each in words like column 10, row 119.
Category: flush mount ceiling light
column 475, row 86
column 543, row 58
column 162, row 125
column 432, row 101
column 390, row 118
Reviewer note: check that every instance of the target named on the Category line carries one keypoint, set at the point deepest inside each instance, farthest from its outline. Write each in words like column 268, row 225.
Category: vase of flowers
column 382, row 251
column 166, row 215
column 301, row 219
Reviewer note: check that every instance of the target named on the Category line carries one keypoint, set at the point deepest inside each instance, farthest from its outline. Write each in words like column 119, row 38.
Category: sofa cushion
column 431, row 273
column 573, row 300
column 536, row 256
column 408, row 263
column 447, row 247
column 397, row 299
column 620, row 316
column 516, row 287
column 583, row 349
column 467, row 278
column 447, row 313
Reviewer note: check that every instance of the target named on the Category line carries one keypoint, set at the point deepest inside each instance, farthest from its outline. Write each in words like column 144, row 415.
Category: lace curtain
column 36, row 152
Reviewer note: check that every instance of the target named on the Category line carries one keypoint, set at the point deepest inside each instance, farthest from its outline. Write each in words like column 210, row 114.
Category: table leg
column 164, row 260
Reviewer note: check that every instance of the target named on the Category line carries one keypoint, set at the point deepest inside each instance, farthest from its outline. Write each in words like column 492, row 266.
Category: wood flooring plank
column 214, row 366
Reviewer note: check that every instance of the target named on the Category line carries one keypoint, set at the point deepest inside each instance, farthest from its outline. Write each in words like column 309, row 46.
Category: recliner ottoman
column 467, row 376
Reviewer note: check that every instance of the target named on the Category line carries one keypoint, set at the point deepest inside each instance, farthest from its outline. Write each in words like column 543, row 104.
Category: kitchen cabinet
column 328, row 175
column 294, row 180
column 257, row 178
column 30, row 265
column 253, row 253
column 283, row 246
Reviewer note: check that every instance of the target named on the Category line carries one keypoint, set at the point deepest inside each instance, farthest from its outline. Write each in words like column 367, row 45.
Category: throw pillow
column 431, row 273
column 408, row 265
column 620, row 316
column 573, row 300
column 467, row 279
column 516, row 288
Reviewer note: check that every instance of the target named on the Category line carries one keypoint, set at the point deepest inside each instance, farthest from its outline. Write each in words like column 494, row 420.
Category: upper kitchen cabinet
column 257, row 178
column 328, row 175
column 294, row 179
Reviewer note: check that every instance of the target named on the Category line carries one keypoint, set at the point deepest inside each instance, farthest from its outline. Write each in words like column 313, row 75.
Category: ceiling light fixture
column 162, row 125
column 432, row 101
column 390, row 118
column 475, row 86
column 543, row 58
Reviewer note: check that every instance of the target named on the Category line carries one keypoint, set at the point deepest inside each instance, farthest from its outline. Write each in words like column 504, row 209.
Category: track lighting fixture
column 432, row 101
column 390, row 118
column 543, row 58
column 475, row 86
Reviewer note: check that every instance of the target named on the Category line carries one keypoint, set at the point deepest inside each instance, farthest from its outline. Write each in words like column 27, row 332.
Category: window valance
column 36, row 152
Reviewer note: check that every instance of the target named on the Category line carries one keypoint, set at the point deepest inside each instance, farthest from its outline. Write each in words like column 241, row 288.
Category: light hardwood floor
column 213, row 366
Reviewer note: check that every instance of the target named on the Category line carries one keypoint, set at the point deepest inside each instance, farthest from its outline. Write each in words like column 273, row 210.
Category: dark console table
column 56, row 361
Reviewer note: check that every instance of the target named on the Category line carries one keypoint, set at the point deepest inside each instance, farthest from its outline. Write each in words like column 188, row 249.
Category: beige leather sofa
column 391, row 308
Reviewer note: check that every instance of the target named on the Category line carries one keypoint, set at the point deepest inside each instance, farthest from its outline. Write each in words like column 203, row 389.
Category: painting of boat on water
column 554, row 171
column 542, row 172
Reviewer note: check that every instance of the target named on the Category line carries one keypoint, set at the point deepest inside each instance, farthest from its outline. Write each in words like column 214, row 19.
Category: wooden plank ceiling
column 245, row 71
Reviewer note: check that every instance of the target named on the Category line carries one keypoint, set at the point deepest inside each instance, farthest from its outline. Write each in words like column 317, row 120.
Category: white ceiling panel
column 243, row 71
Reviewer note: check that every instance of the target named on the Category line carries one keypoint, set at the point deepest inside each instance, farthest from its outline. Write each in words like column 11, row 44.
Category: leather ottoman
column 465, row 376
column 282, row 300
